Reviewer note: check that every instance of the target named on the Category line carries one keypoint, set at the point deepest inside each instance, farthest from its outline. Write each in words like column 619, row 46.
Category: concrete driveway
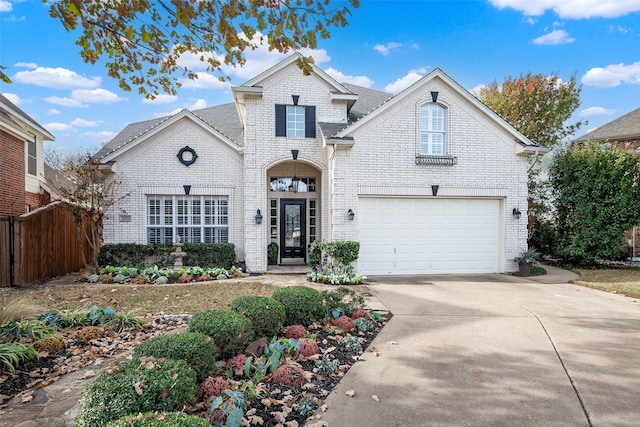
column 495, row 350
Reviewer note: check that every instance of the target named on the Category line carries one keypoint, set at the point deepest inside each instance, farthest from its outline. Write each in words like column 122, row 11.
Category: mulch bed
column 275, row 405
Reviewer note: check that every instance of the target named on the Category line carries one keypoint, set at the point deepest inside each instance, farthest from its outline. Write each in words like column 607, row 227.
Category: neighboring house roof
column 625, row 127
column 55, row 182
column 11, row 116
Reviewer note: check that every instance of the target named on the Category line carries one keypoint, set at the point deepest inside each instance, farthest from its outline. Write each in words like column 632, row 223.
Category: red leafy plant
column 213, row 387
column 308, row 347
column 345, row 323
column 290, row 375
column 295, row 331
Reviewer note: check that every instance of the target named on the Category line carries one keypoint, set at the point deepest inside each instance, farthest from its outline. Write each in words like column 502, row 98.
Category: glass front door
column 293, row 236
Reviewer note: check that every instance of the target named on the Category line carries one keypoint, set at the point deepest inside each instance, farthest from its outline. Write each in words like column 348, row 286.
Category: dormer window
column 433, row 130
column 296, row 121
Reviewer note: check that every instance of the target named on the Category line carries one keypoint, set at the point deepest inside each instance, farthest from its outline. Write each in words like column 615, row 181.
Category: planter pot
column 525, row 268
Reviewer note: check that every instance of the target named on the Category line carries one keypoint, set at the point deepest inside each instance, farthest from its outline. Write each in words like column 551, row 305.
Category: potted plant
column 526, row 260
column 272, row 253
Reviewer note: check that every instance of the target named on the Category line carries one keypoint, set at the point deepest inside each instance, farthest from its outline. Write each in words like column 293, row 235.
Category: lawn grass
column 619, row 281
column 141, row 300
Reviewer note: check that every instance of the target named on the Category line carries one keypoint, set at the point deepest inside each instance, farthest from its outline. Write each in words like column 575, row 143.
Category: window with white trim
column 295, row 121
column 32, row 156
column 196, row 219
column 433, row 134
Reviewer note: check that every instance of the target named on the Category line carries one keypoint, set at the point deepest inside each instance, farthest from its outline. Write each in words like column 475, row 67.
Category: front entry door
column 293, row 228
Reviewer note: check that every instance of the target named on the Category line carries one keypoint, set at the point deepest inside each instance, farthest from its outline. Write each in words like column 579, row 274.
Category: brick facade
column 12, row 172
column 381, row 163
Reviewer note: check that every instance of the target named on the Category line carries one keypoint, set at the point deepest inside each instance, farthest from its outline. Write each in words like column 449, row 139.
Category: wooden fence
column 39, row 245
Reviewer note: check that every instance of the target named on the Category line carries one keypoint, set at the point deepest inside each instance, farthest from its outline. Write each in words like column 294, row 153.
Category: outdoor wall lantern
column 351, row 214
column 258, row 217
column 516, row 213
column 434, row 189
column 187, row 189
column 434, row 96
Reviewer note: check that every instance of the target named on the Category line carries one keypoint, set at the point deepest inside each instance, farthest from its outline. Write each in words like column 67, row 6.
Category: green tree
column 143, row 40
column 539, row 107
column 597, row 198
column 536, row 105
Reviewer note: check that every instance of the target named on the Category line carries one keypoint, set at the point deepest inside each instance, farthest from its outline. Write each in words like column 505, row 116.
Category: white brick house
column 428, row 180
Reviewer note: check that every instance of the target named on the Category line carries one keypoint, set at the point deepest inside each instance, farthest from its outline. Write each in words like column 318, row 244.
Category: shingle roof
column 368, row 100
column 11, row 107
column 625, row 127
column 223, row 118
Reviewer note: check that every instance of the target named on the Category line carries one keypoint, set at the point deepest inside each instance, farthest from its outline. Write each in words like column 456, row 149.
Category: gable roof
column 526, row 145
column 11, row 115
column 221, row 120
column 625, row 127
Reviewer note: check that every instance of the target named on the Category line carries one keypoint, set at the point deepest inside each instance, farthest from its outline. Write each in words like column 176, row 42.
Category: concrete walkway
column 496, row 350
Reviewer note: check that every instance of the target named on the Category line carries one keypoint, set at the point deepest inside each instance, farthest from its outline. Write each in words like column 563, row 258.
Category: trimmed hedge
column 230, row 331
column 160, row 419
column 266, row 314
column 303, row 305
column 137, row 385
column 198, row 254
column 196, row 349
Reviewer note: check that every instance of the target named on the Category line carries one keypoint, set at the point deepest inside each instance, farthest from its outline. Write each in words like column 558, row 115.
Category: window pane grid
column 295, row 121
column 432, row 130
column 198, row 219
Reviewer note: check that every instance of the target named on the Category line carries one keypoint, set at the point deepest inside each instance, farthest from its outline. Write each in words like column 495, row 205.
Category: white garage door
column 428, row 236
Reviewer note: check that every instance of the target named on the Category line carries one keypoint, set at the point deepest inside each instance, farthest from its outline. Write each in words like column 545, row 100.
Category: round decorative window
column 187, row 156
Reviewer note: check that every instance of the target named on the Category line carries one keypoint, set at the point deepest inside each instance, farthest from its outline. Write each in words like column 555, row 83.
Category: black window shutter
column 310, row 121
column 281, row 120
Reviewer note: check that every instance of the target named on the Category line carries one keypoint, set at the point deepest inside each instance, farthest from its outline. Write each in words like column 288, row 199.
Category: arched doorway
column 294, row 209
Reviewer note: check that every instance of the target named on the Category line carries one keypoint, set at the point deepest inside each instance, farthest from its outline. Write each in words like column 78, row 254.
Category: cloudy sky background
column 387, row 46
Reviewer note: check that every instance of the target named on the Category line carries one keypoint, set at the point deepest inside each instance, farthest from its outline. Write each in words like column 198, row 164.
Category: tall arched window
column 433, row 130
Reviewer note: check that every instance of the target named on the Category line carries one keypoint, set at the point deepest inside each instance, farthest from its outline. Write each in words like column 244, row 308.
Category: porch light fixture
column 516, row 213
column 187, row 189
column 258, row 217
column 351, row 214
column 434, row 190
column 434, row 96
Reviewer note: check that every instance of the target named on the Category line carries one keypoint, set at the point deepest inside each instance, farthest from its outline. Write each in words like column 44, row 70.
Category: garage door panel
column 429, row 236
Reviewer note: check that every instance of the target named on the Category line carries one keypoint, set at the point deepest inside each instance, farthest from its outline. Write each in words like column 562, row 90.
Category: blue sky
column 387, row 46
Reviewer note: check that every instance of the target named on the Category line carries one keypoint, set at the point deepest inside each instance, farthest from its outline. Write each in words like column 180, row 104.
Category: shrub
column 213, row 387
column 289, row 375
column 345, row 323
column 160, row 419
column 230, row 331
column 89, row 333
column 13, row 354
column 196, row 349
column 49, row 344
column 202, row 254
column 308, row 347
column 302, row 304
column 266, row 314
column 137, row 385
column 342, row 300
column 295, row 331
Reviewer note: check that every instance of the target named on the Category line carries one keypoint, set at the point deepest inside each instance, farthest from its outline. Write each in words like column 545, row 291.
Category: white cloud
column 407, row 80
column 204, row 81
column 163, row 98
column 554, row 37
column 475, row 91
column 5, row 6
column 26, row 64
column 85, row 123
column 612, row 75
column 96, row 96
column 103, row 135
column 572, row 9
column 597, row 111
column 13, row 98
column 363, row 81
column 56, row 78
column 197, row 104
column 53, row 112
column 55, row 126
column 64, row 102
column 385, row 49
column 619, row 29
